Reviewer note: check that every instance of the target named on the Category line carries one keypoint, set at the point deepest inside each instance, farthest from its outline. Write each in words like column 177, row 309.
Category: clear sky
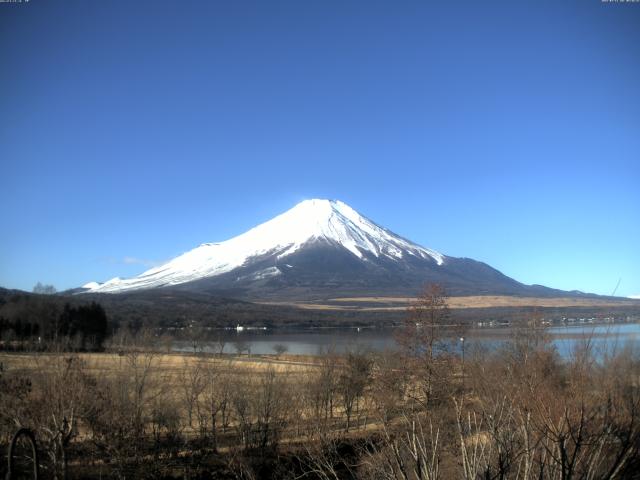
column 505, row 131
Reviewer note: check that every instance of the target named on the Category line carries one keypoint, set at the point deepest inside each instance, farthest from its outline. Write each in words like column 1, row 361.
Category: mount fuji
column 319, row 249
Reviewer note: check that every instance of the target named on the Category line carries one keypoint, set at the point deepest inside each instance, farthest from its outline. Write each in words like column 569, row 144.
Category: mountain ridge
column 320, row 249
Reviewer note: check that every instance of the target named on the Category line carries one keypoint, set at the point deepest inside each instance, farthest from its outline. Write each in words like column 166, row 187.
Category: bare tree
column 411, row 453
column 220, row 343
column 166, row 425
column 270, row 404
column 241, row 346
column 280, row 349
column 123, row 406
column 65, row 399
column 196, row 336
column 240, row 402
column 44, row 289
column 422, row 339
column 354, row 378
column 389, row 385
column 324, row 460
column 192, row 383
column 213, row 404
column 321, row 391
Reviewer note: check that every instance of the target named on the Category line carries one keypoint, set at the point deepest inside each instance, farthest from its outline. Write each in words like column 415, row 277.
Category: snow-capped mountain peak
column 309, row 222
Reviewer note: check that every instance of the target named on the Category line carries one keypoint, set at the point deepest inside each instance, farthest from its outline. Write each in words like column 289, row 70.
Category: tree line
column 35, row 321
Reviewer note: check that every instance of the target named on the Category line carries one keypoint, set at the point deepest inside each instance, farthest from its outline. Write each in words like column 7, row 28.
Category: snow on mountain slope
column 308, row 222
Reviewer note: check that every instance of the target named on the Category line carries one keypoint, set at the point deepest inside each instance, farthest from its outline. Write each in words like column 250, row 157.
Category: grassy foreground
column 419, row 413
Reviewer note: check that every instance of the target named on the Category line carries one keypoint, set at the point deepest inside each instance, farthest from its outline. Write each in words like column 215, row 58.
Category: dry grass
column 163, row 364
column 167, row 370
column 488, row 301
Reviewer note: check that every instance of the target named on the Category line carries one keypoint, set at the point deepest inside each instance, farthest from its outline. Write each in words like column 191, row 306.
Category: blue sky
column 508, row 132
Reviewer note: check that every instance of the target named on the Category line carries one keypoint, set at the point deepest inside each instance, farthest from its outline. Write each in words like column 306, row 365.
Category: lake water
column 603, row 338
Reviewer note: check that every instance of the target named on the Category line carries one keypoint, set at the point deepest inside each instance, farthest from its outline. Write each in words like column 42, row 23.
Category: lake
column 603, row 338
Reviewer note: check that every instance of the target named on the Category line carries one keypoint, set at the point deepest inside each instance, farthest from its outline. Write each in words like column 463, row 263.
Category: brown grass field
column 167, row 371
column 141, row 413
column 164, row 363
column 489, row 301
